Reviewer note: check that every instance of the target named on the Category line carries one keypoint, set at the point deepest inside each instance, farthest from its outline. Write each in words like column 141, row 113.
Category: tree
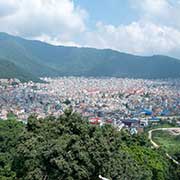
column 10, row 131
column 68, row 147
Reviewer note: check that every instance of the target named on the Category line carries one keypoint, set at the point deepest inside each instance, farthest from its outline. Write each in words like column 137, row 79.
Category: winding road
column 157, row 146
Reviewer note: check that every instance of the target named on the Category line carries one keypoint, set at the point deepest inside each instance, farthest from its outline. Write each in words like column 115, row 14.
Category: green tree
column 10, row 131
column 68, row 147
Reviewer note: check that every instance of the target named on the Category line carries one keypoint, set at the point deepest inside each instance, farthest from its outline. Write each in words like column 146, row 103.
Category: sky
column 141, row 27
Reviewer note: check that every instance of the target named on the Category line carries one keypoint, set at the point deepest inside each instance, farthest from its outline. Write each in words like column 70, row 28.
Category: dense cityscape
column 121, row 102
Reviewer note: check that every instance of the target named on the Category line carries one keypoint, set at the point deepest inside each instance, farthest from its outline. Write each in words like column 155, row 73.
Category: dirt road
column 155, row 145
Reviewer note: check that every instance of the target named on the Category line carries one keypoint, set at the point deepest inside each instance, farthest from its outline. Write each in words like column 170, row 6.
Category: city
column 123, row 102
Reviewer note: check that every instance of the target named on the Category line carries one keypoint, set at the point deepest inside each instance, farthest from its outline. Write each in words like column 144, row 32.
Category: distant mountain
column 40, row 59
column 10, row 70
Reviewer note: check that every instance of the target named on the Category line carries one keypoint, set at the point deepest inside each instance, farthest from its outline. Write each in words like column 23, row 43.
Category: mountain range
column 30, row 60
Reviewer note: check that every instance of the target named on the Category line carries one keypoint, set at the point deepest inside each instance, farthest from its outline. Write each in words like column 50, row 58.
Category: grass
column 165, row 125
column 161, row 124
column 167, row 141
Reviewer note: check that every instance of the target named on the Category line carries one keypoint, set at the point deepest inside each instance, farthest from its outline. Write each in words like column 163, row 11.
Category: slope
column 10, row 70
column 42, row 59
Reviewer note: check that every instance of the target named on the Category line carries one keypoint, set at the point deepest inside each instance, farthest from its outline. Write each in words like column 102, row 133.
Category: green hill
column 10, row 70
column 70, row 148
column 42, row 59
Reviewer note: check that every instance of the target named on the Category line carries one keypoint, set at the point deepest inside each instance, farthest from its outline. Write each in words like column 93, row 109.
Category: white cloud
column 165, row 12
column 143, row 38
column 56, row 41
column 35, row 18
column 153, row 7
column 157, row 31
column 7, row 8
column 60, row 22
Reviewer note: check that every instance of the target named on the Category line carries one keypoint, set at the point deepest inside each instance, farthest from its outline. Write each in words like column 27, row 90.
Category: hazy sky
column 143, row 27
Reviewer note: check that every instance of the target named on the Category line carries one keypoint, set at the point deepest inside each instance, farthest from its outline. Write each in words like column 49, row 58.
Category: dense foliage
column 10, row 70
column 40, row 59
column 70, row 148
column 10, row 131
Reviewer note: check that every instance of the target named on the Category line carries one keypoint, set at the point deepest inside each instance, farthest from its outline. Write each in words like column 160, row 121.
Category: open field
column 169, row 140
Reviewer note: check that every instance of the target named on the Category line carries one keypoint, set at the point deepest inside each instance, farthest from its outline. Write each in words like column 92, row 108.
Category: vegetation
column 161, row 124
column 169, row 142
column 68, row 147
column 10, row 131
column 37, row 59
column 10, row 70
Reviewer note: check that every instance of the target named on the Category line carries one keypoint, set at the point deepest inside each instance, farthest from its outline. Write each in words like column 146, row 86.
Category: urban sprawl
column 132, row 103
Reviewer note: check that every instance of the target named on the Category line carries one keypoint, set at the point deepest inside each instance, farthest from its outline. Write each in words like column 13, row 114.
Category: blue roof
column 165, row 112
column 147, row 111
column 154, row 119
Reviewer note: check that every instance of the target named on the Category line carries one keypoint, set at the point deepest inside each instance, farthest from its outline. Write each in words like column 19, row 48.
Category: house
column 96, row 121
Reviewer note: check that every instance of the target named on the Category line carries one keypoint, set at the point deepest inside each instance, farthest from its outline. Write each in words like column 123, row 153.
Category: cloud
column 150, row 7
column 61, row 22
column 56, row 41
column 7, row 8
column 142, row 38
column 58, row 19
column 165, row 12
column 157, row 31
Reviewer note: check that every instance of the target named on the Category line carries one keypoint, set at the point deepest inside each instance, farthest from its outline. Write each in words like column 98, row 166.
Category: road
column 155, row 145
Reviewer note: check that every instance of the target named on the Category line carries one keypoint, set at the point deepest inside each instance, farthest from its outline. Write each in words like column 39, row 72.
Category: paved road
column 157, row 146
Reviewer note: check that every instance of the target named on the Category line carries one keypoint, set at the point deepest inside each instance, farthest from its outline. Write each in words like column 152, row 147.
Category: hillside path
column 155, row 145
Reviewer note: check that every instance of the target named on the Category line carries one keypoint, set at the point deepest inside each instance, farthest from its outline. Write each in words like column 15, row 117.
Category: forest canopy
column 69, row 148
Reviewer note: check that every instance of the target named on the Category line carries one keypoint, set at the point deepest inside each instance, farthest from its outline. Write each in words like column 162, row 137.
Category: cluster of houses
column 131, row 103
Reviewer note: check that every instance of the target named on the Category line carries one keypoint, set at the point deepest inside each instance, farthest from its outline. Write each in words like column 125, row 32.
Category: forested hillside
column 10, row 70
column 70, row 148
column 42, row 59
